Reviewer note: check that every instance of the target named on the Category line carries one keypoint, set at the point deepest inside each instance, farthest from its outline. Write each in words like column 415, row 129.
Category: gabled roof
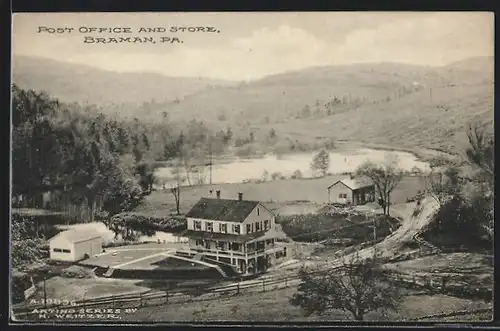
column 222, row 209
column 75, row 236
column 355, row 183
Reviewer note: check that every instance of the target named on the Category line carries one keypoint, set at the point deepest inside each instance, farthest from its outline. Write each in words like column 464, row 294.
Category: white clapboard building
column 75, row 245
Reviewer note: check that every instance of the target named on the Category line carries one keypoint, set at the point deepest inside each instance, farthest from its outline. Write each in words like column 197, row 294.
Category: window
column 249, row 228
column 58, row 250
column 266, row 224
column 210, row 227
column 258, row 211
column 207, row 244
column 343, row 195
column 66, row 251
column 223, row 228
column 221, row 245
column 235, row 247
column 199, row 242
column 257, row 226
column 236, row 228
column 197, row 225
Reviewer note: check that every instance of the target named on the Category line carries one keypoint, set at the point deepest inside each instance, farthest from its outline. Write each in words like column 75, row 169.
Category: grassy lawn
column 274, row 306
column 76, row 289
column 279, row 193
column 122, row 256
column 170, row 263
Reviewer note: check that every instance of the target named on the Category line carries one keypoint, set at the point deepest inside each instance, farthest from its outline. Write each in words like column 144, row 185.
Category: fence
column 455, row 313
column 164, row 297
column 434, row 284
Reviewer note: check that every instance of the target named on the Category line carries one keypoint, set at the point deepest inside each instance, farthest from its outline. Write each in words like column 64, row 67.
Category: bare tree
column 386, row 178
column 176, row 190
column 358, row 286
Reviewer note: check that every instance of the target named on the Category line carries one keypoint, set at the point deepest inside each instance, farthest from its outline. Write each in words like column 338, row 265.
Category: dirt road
column 390, row 245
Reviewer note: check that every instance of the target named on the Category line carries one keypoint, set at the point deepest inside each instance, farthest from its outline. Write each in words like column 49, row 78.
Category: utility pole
column 374, row 228
column 45, row 291
column 210, row 160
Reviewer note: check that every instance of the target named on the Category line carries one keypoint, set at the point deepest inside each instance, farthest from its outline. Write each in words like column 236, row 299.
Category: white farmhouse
column 75, row 245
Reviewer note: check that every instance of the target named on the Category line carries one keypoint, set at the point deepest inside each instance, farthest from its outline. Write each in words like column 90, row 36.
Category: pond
column 109, row 236
column 239, row 170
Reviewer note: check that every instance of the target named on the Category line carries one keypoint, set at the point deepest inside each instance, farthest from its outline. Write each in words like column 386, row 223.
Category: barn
column 351, row 191
column 75, row 245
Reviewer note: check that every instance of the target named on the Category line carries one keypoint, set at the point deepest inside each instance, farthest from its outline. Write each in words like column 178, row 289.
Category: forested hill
column 103, row 165
column 87, row 84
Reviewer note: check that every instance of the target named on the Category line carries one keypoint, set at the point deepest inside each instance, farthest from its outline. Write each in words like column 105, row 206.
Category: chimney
column 240, row 196
column 351, row 176
column 218, row 194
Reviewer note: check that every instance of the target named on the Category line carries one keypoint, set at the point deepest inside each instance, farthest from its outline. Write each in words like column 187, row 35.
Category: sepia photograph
column 252, row 167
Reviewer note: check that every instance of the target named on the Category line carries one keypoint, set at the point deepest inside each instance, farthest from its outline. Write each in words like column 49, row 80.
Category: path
column 409, row 227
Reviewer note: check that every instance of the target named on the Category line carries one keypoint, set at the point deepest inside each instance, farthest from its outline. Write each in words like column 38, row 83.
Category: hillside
column 282, row 96
column 81, row 83
column 416, row 120
column 386, row 103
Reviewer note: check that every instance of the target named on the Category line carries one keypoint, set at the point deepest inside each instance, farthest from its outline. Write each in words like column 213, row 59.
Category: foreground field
column 274, row 306
column 284, row 195
column 76, row 289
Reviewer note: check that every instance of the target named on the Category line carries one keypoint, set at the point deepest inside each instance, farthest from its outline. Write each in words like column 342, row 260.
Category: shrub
column 297, row 174
column 276, row 175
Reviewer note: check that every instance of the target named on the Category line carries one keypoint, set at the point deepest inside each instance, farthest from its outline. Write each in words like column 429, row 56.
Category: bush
column 276, row 175
column 458, row 224
column 126, row 223
column 19, row 283
column 297, row 174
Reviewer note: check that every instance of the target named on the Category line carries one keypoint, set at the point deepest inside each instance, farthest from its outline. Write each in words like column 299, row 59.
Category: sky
column 250, row 46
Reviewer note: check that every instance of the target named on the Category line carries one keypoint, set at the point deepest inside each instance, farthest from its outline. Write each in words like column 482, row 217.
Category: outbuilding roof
column 75, row 236
column 222, row 209
column 355, row 183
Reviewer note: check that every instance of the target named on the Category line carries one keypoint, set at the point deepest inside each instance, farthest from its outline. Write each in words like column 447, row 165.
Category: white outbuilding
column 75, row 245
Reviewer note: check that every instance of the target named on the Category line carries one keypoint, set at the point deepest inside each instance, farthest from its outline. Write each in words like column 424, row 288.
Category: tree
column 481, row 153
column 386, row 178
column 443, row 186
column 321, row 162
column 176, row 191
column 358, row 286
column 297, row 174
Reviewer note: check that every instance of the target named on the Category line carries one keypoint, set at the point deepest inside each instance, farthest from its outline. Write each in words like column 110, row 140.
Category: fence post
column 166, row 296
column 414, row 282
column 443, row 283
column 263, row 284
column 286, row 281
column 238, row 288
column 140, row 298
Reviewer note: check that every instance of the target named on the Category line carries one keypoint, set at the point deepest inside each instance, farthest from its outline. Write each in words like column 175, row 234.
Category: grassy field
column 76, row 289
column 278, row 194
column 274, row 306
column 120, row 256
column 469, row 267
